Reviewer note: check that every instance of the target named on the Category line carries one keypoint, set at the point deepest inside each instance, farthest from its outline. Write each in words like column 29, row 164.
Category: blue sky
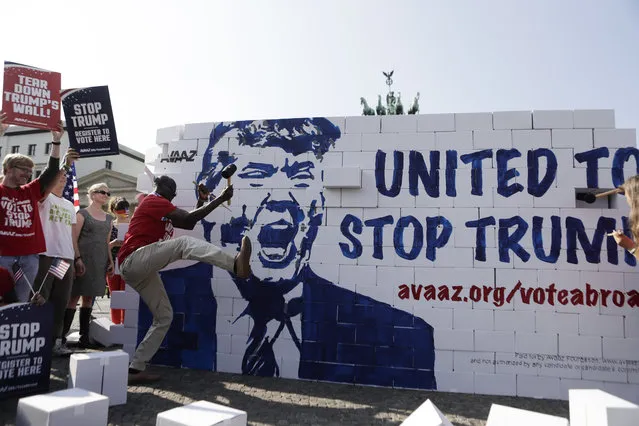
column 174, row 62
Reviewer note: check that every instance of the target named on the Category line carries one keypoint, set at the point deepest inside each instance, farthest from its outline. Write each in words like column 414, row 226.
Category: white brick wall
column 464, row 329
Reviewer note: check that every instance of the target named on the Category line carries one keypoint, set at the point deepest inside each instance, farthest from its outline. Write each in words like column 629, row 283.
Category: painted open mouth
column 276, row 238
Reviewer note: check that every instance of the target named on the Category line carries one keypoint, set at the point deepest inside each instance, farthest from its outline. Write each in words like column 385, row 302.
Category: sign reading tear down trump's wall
column 455, row 252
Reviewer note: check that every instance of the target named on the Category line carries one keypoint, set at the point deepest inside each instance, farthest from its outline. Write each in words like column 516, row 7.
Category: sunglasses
column 24, row 169
column 102, row 192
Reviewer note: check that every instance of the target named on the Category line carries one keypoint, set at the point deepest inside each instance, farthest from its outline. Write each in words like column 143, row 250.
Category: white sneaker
column 60, row 349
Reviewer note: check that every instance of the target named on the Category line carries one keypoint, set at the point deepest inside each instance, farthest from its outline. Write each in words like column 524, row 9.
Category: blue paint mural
column 345, row 336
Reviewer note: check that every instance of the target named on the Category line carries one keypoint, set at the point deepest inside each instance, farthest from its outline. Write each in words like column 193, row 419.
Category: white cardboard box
column 426, row 414
column 594, row 407
column 69, row 407
column 105, row 373
column 202, row 413
column 500, row 415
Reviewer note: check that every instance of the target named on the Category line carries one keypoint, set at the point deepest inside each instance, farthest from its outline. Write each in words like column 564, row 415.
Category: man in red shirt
column 148, row 248
column 21, row 237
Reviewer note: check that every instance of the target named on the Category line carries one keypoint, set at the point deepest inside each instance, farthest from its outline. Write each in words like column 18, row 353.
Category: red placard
column 31, row 96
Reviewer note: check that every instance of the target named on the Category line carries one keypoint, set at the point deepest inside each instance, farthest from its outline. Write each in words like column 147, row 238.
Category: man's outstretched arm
column 187, row 220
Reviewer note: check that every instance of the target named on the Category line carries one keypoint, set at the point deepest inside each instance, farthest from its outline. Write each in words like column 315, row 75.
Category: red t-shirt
column 148, row 225
column 20, row 228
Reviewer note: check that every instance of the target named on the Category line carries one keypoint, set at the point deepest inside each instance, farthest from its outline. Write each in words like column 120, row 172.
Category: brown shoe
column 242, row 267
column 143, row 377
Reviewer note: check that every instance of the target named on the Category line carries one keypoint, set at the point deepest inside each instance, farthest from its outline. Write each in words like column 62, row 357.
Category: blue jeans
column 29, row 266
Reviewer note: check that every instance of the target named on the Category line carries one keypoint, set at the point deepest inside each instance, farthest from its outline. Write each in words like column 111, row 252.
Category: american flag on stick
column 71, row 189
column 59, row 268
column 18, row 273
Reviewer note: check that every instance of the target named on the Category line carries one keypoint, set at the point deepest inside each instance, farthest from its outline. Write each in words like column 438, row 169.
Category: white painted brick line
column 594, row 118
column 553, row 119
column 436, row 123
column 474, row 121
column 512, row 120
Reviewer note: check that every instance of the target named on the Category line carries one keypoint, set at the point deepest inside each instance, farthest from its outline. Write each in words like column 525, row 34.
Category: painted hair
column 631, row 189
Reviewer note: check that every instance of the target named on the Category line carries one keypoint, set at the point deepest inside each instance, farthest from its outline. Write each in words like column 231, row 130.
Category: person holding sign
column 148, row 248
column 630, row 189
column 57, row 215
column 21, row 236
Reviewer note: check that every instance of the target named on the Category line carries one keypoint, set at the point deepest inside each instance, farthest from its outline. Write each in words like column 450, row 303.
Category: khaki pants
column 140, row 271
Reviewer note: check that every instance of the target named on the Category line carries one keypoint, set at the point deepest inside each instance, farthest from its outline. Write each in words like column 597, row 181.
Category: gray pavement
column 273, row 402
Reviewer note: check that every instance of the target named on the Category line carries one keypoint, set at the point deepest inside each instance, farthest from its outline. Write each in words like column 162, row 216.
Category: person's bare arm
column 108, row 242
column 77, row 228
column 187, row 220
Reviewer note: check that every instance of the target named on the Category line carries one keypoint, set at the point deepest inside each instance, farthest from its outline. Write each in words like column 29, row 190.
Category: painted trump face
column 283, row 224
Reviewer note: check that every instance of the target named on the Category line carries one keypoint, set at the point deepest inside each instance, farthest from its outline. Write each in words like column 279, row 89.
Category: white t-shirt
column 57, row 216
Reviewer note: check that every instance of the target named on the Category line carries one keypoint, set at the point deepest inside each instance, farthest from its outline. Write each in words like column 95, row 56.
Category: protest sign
column 89, row 120
column 31, row 96
column 25, row 349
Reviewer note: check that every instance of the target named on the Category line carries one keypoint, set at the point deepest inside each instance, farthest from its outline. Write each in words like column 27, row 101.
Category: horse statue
column 399, row 109
column 380, row 108
column 367, row 110
column 415, row 108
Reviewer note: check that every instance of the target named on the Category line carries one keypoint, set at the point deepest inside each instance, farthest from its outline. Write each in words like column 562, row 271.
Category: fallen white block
column 594, row 407
column 100, row 331
column 202, row 413
column 69, row 407
column 500, row 415
column 106, row 373
column 426, row 414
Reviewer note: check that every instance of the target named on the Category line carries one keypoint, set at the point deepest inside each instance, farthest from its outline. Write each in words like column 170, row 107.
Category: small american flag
column 59, row 268
column 71, row 189
column 18, row 273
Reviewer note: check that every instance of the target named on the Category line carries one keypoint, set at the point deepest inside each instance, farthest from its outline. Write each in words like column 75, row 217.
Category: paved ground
column 271, row 402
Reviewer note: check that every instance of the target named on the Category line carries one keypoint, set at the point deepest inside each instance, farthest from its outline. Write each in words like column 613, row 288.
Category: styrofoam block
column 496, row 139
column 615, row 138
column 198, row 130
column 601, row 325
column 515, row 321
column 463, row 361
column 627, row 391
column 460, row 140
column 349, row 142
column 552, row 322
column 363, row 160
column 105, row 373
column 512, row 120
column 131, row 318
column 455, row 382
column 124, row 300
column 580, row 345
column 129, row 349
column 533, row 386
column 69, row 407
column 535, row 343
column 144, row 183
column 525, row 140
column 426, row 414
column 553, row 119
column 372, row 142
column 99, row 330
column 331, row 159
column 579, row 139
column 594, row 407
column 474, row 121
column 123, row 335
column 439, row 318
column 169, row 134
column 594, row 118
column 473, row 319
column 344, row 177
column 615, row 348
column 399, row 124
column 500, row 415
column 496, row 384
column 228, row 363
column 202, row 413
column 556, row 197
column 436, row 123
column 631, row 326
column 459, row 340
column 363, row 124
